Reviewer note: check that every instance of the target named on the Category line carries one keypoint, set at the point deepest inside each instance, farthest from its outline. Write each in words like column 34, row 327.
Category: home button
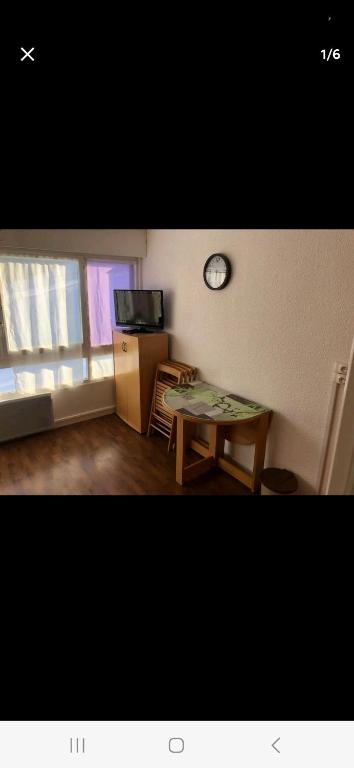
column 176, row 745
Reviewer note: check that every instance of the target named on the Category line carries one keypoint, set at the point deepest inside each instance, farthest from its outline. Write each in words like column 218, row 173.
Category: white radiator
column 25, row 416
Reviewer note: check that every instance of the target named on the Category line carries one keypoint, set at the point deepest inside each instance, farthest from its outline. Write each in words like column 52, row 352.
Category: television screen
column 139, row 308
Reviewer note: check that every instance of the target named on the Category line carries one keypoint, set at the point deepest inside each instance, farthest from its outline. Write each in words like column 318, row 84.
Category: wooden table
column 228, row 417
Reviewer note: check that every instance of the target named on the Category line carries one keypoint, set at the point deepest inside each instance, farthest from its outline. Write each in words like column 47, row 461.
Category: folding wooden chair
column 168, row 374
column 188, row 371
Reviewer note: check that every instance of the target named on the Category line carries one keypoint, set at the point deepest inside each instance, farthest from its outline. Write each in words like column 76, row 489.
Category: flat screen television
column 140, row 309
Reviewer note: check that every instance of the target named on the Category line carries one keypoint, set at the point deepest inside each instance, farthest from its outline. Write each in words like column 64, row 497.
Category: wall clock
column 217, row 271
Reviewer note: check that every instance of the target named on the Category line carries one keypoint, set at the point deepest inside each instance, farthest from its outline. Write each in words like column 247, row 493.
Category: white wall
column 273, row 334
column 128, row 243
column 95, row 398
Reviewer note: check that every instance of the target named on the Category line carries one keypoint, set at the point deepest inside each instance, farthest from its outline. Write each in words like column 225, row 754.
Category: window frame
column 84, row 350
column 4, row 353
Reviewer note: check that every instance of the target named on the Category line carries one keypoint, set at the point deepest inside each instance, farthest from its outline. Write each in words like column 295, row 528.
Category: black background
column 173, row 118
column 224, row 610
column 164, row 118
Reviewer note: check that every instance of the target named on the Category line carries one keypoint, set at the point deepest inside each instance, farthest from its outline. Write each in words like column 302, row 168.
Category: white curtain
column 41, row 306
column 41, row 303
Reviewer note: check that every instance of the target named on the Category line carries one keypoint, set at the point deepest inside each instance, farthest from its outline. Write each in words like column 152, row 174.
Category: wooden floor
column 101, row 456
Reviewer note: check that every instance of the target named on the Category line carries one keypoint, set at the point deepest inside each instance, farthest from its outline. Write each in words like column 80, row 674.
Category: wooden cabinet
column 135, row 359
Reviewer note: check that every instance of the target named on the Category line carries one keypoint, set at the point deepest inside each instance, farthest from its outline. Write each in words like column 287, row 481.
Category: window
column 40, row 303
column 56, row 320
column 102, row 278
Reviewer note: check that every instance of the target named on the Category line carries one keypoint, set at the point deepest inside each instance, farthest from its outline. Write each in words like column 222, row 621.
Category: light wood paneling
column 135, row 359
column 99, row 457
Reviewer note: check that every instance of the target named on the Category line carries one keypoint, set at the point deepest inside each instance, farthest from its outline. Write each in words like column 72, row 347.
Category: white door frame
column 341, row 479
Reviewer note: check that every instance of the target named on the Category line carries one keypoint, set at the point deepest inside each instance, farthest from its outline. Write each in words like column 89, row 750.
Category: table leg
column 254, row 433
column 213, row 452
column 259, row 450
column 185, row 439
column 216, row 440
column 184, row 429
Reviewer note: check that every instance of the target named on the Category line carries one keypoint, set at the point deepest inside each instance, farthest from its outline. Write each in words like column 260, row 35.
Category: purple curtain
column 102, row 279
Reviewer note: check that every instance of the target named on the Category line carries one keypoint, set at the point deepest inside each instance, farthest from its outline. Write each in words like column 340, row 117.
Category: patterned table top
column 205, row 402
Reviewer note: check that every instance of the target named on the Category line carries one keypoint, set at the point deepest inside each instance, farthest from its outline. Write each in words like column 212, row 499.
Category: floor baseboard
column 85, row 416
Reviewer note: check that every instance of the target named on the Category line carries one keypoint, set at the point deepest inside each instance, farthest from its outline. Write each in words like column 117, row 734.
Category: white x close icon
column 27, row 54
